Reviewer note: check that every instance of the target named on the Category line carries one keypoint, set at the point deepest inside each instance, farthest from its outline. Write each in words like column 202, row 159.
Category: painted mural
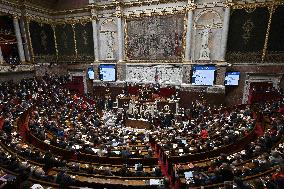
column 155, row 38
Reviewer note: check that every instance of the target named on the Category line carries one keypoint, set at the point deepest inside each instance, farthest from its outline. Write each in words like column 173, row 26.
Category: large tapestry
column 155, row 38
column 84, row 40
column 42, row 38
column 247, row 32
column 276, row 38
column 65, row 41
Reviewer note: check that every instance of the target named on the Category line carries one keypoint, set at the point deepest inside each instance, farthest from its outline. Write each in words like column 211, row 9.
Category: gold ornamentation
column 55, row 41
column 85, row 38
column 236, row 57
column 50, row 15
column 271, row 11
column 64, row 37
column 253, row 5
column 250, row 10
column 75, row 41
column 118, row 12
column 43, row 39
column 274, row 57
column 155, row 12
column 247, row 28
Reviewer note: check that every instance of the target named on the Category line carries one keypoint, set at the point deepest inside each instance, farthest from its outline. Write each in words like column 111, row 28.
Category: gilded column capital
column 118, row 11
column 94, row 15
column 16, row 17
column 228, row 3
column 190, row 6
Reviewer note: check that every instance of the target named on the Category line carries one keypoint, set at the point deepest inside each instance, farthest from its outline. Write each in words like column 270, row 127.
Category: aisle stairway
column 163, row 167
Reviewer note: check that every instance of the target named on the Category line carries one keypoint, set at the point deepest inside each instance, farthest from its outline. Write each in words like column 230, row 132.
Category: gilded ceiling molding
column 253, row 5
column 137, row 3
column 39, row 19
column 73, row 11
column 10, row 8
column 73, row 20
column 209, row 5
column 52, row 12
column 156, row 12
column 70, row 20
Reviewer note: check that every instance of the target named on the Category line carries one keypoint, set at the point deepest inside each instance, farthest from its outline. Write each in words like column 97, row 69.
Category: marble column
column 1, row 56
column 119, row 34
column 95, row 35
column 188, row 35
column 225, row 32
column 95, row 38
column 19, row 40
column 25, row 38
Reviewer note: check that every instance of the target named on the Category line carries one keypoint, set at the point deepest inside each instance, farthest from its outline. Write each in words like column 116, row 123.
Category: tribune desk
column 133, row 103
column 138, row 123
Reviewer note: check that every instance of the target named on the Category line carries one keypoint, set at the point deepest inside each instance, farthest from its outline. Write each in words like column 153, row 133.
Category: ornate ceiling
column 55, row 4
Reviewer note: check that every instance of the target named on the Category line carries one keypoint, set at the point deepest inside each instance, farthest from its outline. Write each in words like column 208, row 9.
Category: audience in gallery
column 66, row 120
column 228, row 167
column 257, row 157
column 76, row 126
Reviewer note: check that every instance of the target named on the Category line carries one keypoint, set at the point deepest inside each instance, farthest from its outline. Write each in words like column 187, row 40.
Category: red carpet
column 163, row 167
column 259, row 129
column 1, row 122
column 22, row 130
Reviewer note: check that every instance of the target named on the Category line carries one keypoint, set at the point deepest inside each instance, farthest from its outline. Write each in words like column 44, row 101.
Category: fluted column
column 19, row 39
column 119, row 33
column 188, row 35
column 1, row 56
column 95, row 35
column 225, row 32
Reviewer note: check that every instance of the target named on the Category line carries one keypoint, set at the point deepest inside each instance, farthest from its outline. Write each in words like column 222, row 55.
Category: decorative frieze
column 17, row 68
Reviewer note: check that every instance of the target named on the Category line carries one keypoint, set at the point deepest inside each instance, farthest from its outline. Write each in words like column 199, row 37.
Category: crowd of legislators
column 63, row 119
column 76, row 125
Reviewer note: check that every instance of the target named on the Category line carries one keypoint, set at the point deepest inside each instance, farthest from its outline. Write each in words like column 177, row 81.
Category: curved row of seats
column 89, row 159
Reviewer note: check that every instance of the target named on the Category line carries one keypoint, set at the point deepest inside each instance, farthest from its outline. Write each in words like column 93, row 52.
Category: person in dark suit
column 48, row 161
column 240, row 184
column 63, row 179
column 226, row 172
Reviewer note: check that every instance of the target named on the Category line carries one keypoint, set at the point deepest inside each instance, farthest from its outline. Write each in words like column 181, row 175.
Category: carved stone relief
column 164, row 74
column 207, row 35
column 108, row 39
column 186, row 69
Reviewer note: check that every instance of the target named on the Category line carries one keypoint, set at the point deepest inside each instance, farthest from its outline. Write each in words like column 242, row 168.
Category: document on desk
column 188, row 174
column 155, row 182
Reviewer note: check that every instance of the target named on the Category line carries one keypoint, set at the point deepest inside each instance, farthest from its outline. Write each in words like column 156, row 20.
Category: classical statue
column 205, row 51
column 110, row 43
